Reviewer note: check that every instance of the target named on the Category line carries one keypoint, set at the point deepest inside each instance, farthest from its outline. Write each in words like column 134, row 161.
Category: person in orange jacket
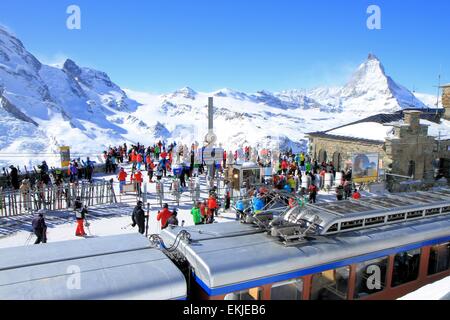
column 122, row 179
column 150, row 170
column 133, row 159
column 138, row 179
column 164, row 216
column 139, row 161
column 212, row 208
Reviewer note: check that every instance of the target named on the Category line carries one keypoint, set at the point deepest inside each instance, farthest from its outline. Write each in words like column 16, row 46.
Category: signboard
column 65, row 156
column 365, row 167
column 210, row 155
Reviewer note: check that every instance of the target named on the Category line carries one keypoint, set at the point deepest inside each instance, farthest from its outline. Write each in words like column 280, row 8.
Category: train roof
column 228, row 257
column 113, row 267
column 333, row 213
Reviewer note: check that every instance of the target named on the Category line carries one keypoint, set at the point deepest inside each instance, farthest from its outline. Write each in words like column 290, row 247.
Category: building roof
column 374, row 129
column 114, row 267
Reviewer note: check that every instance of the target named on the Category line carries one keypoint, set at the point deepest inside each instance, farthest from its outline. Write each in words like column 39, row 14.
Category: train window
column 439, row 258
column 396, row 217
column 370, row 277
column 374, row 220
column 446, row 210
column 430, row 212
column 330, row 284
column 249, row 294
column 351, row 224
column 406, row 267
column 287, row 290
column 415, row 214
column 333, row 228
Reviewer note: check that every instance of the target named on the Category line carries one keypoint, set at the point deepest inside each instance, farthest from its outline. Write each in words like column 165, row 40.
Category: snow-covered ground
column 111, row 220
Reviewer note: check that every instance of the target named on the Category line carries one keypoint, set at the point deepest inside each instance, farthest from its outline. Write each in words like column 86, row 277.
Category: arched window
column 322, row 155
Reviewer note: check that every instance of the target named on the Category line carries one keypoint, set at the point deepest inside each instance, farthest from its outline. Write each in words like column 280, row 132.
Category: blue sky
column 161, row 45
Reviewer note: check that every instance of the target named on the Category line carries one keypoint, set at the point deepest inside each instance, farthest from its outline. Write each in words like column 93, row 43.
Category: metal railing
column 26, row 201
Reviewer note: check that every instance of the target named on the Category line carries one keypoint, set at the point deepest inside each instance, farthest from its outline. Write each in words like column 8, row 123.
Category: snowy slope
column 43, row 107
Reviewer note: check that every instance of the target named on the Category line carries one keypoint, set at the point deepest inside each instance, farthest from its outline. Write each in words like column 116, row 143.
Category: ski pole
column 87, row 224
column 29, row 238
column 148, row 218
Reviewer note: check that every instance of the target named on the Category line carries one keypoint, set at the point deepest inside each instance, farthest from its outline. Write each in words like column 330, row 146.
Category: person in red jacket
column 284, row 166
column 122, row 179
column 356, row 195
column 163, row 216
column 138, row 179
column 204, row 211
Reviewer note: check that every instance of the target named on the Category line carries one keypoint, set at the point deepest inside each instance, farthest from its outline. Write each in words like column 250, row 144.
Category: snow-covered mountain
column 43, row 107
column 369, row 90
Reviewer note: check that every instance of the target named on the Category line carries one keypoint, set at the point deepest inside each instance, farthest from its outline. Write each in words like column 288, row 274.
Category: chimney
column 446, row 101
column 412, row 119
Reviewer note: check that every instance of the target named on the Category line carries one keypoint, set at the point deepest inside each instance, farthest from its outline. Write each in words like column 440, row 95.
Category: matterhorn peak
column 372, row 57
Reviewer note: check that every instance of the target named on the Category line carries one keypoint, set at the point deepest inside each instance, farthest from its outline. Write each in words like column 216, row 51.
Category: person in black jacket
column 14, row 178
column 138, row 217
column 78, row 205
column 40, row 228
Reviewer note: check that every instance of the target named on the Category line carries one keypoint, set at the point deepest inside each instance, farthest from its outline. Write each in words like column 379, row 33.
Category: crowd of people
column 295, row 173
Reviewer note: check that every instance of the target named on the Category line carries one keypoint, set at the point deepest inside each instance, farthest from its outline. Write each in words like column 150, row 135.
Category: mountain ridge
column 82, row 107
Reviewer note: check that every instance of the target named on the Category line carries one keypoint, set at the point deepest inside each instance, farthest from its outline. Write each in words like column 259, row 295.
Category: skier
column 164, row 215
column 25, row 192
column 138, row 217
column 122, row 177
column 138, row 179
column 81, row 216
column 159, row 172
column 196, row 215
column 150, row 168
column 212, row 208
column 227, row 195
column 40, row 228
column 312, row 193
column 340, row 192
column 14, row 178
column 44, row 167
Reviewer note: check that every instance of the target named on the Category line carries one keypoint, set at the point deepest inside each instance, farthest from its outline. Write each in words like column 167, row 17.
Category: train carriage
column 115, row 267
column 350, row 255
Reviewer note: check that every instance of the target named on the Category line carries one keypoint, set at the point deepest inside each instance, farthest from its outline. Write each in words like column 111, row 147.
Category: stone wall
column 446, row 102
column 345, row 149
column 412, row 144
